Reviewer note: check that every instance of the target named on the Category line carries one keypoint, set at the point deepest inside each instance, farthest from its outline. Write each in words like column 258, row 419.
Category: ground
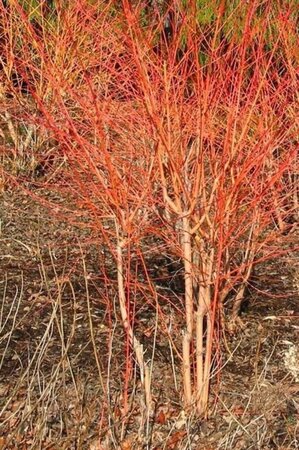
column 62, row 351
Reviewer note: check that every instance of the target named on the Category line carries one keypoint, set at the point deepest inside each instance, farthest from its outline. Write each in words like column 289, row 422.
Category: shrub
column 176, row 127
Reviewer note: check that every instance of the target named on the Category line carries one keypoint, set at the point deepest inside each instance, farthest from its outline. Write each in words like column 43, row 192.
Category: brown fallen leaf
column 126, row 444
column 175, row 438
column 161, row 418
column 2, row 443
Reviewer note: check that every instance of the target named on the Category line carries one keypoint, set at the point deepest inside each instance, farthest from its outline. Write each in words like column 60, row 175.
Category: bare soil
column 63, row 350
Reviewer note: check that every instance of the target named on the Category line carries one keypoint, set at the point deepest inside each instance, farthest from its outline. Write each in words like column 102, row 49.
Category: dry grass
column 61, row 381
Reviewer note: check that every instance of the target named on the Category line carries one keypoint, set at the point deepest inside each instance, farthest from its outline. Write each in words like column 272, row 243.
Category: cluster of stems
column 178, row 127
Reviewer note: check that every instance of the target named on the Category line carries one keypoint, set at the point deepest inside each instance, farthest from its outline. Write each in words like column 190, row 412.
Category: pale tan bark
column 188, row 336
column 136, row 345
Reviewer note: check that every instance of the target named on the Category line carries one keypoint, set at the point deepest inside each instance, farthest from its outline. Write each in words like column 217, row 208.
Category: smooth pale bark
column 188, row 335
column 187, row 382
column 137, row 346
column 203, row 359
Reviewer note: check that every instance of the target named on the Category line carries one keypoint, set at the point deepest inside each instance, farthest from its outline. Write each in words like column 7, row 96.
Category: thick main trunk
column 187, row 338
column 204, row 337
column 136, row 345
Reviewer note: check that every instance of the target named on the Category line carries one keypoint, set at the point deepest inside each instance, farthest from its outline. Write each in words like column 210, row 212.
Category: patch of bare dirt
column 63, row 350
